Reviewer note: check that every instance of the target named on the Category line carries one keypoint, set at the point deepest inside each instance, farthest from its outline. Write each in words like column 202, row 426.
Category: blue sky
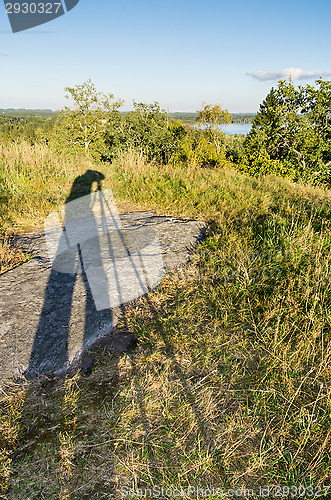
column 180, row 53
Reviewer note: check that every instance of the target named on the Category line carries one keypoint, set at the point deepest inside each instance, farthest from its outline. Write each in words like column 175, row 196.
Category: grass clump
column 11, row 255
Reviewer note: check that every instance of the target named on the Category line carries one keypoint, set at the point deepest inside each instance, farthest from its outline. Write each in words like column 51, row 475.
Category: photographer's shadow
column 63, row 303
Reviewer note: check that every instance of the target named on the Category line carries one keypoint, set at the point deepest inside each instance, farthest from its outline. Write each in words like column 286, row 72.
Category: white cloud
column 3, row 54
column 286, row 74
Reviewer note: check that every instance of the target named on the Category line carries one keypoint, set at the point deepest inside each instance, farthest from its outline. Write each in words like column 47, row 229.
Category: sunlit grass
column 230, row 383
column 33, row 179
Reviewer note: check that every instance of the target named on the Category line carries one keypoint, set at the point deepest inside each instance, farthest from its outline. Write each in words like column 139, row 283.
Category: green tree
column 292, row 127
column 210, row 118
column 83, row 128
column 317, row 107
column 145, row 129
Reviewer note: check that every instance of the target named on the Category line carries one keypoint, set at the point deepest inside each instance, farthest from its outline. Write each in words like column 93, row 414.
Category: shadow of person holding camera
column 49, row 353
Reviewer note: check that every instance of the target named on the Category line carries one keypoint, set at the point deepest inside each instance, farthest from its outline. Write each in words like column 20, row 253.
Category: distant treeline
column 243, row 117
column 28, row 112
column 28, row 126
column 190, row 118
column 36, row 124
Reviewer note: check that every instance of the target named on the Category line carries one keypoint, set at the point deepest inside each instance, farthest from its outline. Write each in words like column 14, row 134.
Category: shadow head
column 83, row 184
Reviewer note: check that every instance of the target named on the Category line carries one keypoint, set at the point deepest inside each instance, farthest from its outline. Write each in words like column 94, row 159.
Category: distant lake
column 235, row 128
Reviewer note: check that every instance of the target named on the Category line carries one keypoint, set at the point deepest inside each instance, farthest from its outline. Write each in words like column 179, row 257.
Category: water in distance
column 234, row 128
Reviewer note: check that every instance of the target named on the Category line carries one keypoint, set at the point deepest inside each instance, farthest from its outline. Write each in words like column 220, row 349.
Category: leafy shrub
column 260, row 163
column 234, row 147
column 197, row 148
column 146, row 130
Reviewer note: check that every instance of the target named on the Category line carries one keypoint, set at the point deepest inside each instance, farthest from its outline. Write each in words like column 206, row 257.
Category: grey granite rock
column 48, row 318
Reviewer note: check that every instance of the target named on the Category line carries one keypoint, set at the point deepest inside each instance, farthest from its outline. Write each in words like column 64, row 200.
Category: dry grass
column 11, row 255
column 33, row 179
column 231, row 382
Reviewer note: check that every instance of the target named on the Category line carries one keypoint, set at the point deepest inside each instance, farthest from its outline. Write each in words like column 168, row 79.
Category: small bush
column 260, row 163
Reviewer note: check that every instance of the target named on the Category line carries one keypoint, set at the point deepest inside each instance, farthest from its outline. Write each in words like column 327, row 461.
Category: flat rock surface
column 49, row 317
